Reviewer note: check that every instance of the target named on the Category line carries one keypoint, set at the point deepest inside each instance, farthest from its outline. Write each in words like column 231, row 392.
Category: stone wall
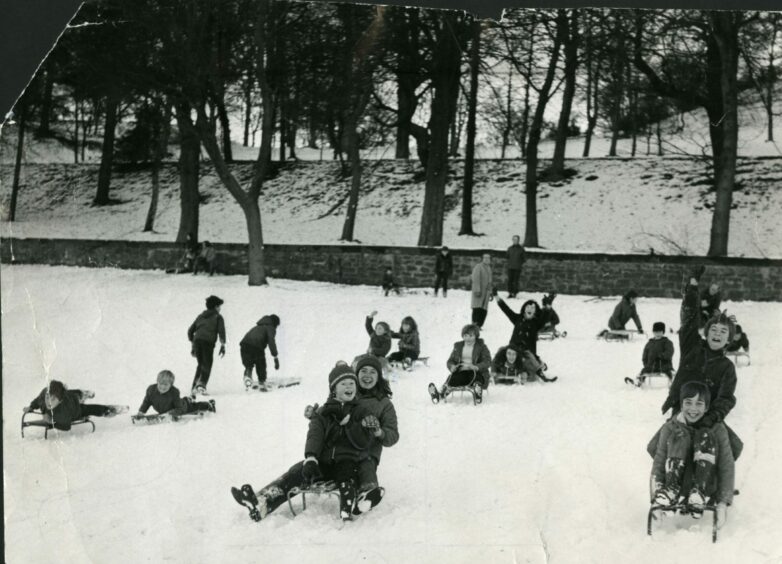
column 565, row 273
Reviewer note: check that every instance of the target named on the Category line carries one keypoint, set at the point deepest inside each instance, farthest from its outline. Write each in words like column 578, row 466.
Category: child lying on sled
column 164, row 397
column 62, row 407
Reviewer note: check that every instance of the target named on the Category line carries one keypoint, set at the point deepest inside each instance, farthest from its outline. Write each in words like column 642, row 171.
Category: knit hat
column 658, row 326
column 213, row 301
column 341, row 372
column 369, row 360
column 548, row 299
column 275, row 319
column 631, row 294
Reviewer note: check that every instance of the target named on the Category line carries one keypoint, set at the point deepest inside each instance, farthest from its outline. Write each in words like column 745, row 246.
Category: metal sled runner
column 612, row 335
column 464, row 388
column 683, row 509
column 318, row 488
column 740, row 354
column 48, row 426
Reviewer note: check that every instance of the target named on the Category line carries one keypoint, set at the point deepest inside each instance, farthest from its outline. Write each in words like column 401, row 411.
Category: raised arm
column 509, row 313
column 368, row 325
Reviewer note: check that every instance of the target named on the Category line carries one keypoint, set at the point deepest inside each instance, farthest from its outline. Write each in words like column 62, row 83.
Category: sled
column 155, row 418
column 509, row 378
column 551, row 335
column 421, row 360
column 270, row 385
column 48, row 426
column 330, row 488
column 462, row 389
column 618, row 334
column 740, row 354
column 649, row 377
column 683, row 509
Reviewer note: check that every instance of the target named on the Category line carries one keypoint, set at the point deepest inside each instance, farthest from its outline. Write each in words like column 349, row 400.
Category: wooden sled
column 740, row 354
column 613, row 335
column 48, row 426
column 551, row 335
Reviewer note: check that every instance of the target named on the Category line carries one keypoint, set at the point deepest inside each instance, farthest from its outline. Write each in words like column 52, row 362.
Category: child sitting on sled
column 379, row 336
column 691, row 461
column 468, row 364
column 507, row 366
column 657, row 356
column 61, row 406
column 409, row 342
column 740, row 341
column 164, row 397
column 548, row 316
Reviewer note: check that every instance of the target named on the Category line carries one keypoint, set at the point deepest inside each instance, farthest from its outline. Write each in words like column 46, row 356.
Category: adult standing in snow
column 253, row 348
column 203, row 334
column 515, row 262
column 482, row 290
column 443, row 267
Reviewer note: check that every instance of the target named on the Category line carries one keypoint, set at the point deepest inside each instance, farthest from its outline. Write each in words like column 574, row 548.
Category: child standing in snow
column 704, row 360
column 468, row 364
column 252, row 348
column 443, row 268
column 409, row 342
column 206, row 259
column 658, row 354
column 739, row 341
column 203, row 334
column 624, row 311
column 164, row 397
column 507, row 365
column 388, row 281
column 693, row 460
column 61, row 406
column 379, row 336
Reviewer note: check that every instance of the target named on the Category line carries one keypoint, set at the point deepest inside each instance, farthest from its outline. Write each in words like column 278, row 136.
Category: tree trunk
column 508, row 114
column 633, row 107
column 189, row 155
column 725, row 30
column 469, row 151
column 44, row 127
column 355, row 181
column 107, row 152
column 75, row 131
column 571, row 66
column 21, row 123
column 618, row 92
column 248, row 91
column 160, row 134
column 659, row 140
column 525, row 113
column 531, row 173
column 225, row 127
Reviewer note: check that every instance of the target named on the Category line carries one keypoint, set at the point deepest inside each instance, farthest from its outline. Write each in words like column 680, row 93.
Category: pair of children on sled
column 694, row 451
column 380, row 335
column 344, row 443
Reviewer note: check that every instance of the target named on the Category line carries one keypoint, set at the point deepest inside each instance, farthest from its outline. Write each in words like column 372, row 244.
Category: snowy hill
column 553, row 473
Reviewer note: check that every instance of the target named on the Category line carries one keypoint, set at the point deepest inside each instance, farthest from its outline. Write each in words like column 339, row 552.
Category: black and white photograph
column 289, row 281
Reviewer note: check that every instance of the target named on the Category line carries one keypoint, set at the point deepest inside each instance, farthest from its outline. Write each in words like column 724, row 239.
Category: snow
column 540, row 473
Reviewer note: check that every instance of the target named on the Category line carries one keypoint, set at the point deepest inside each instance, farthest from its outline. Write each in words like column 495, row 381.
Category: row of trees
column 355, row 76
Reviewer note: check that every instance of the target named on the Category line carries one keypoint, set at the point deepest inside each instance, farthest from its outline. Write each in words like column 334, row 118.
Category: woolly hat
column 723, row 319
column 385, row 326
column 213, row 301
column 369, row 360
column 630, row 295
column 275, row 319
column 658, row 326
column 548, row 299
column 340, row 372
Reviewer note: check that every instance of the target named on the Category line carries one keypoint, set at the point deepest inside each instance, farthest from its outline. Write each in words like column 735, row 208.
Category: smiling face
column 405, row 327
column 163, row 385
column 469, row 338
column 380, row 329
column 345, row 390
column 529, row 311
column 367, row 377
column 693, row 408
column 718, row 335
column 510, row 356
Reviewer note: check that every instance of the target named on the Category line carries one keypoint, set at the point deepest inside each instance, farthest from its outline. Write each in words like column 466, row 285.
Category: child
column 711, row 299
column 443, row 268
column 203, row 335
column 526, row 324
column 658, row 354
column 163, row 397
column 739, row 341
column 548, row 316
column 507, row 366
column 206, row 258
column 388, row 281
column 409, row 342
column 624, row 311
column 704, row 360
column 468, row 364
column 379, row 336
column 61, row 407
column 252, row 348
column 691, row 460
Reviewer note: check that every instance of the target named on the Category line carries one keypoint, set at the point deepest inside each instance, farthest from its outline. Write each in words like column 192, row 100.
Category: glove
column 276, row 363
column 370, row 422
column 722, row 514
column 698, row 271
column 310, row 472
column 222, row 350
column 310, row 410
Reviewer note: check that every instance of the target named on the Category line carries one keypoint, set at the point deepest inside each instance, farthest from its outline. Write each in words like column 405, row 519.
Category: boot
column 347, row 500
column 674, row 472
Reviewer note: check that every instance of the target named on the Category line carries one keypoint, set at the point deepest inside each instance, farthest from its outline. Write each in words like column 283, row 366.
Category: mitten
column 310, row 410
column 310, row 472
column 370, row 422
column 276, row 363
column 222, row 350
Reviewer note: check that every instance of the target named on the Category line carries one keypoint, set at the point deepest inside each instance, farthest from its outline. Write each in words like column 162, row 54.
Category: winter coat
column 709, row 304
column 741, row 343
column 329, row 441
column 515, row 257
column 208, row 326
column 481, row 357
column 549, row 318
column 379, row 345
column 408, row 342
column 623, row 312
column 500, row 366
column 658, row 355
column 443, row 264
column 262, row 334
column 525, row 331
column 68, row 410
column 723, row 481
column 207, row 253
column 162, row 403
column 697, row 362
column 481, row 286
column 388, row 280
column 379, row 405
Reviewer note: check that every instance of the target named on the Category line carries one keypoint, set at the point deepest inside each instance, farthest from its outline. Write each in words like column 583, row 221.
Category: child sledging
column 468, row 367
column 526, row 327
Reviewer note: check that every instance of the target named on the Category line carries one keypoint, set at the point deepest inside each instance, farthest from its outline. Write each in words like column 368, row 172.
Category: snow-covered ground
column 553, row 473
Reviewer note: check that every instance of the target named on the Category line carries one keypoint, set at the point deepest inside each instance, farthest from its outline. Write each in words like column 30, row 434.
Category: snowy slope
column 552, row 473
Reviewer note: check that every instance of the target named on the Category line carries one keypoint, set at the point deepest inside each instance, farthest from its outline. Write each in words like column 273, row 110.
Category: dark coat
column 481, row 357
column 515, row 257
column 408, row 342
column 709, row 304
column 379, row 345
column 208, row 326
column 68, row 410
column 262, row 334
column 699, row 363
column 623, row 312
column 525, row 331
column 329, row 441
column 388, row 280
column 658, row 355
column 379, row 405
column 162, row 403
column 443, row 264
column 549, row 318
